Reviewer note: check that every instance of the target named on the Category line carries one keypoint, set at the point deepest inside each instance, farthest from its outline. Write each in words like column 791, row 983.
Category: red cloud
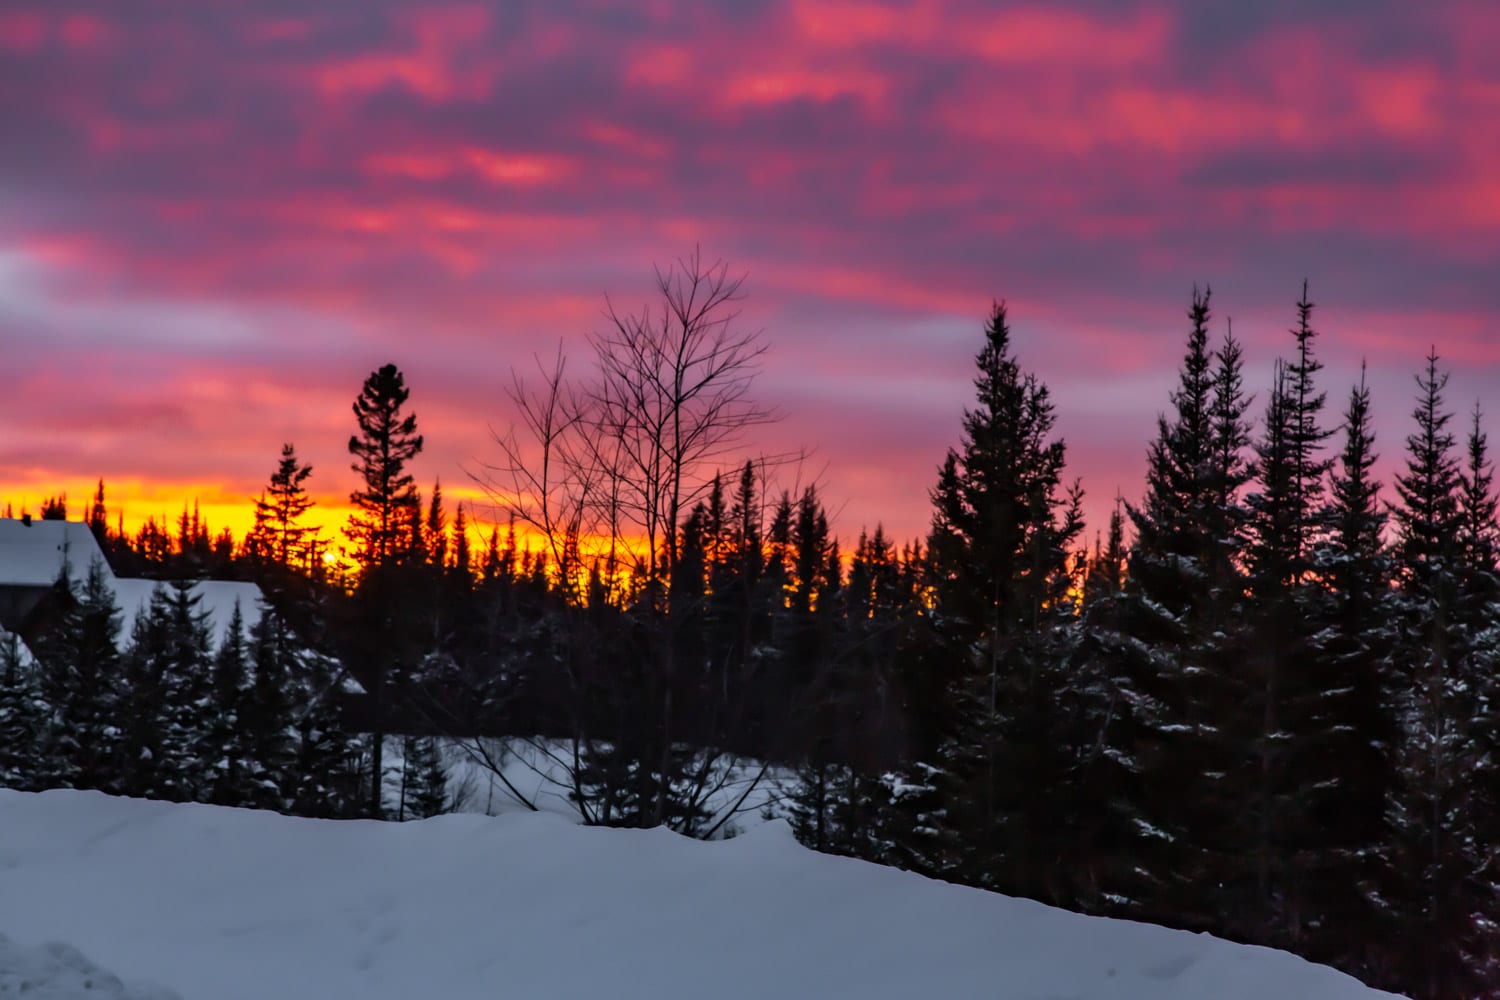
column 455, row 187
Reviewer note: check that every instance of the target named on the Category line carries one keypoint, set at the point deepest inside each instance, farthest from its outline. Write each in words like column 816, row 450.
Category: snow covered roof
column 32, row 554
column 217, row 597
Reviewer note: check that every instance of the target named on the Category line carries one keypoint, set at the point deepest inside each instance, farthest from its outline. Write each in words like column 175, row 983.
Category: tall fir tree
column 168, row 708
column 266, row 713
column 79, row 663
column 99, row 519
column 424, row 780
column 386, row 442
column 279, row 530
column 1352, row 638
column 1174, row 634
column 1478, row 614
column 22, row 712
column 1287, row 691
column 386, row 508
column 1003, row 527
column 226, row 749
column 1437, row 886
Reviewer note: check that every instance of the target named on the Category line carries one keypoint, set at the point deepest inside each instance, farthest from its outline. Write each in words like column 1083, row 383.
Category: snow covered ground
column 57, row 971
column 219, row 904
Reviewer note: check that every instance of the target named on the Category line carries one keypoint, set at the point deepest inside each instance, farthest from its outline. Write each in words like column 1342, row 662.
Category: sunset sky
column 216, row 219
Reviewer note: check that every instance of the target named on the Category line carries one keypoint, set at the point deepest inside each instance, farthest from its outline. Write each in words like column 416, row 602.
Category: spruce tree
column 79, row 662
column 1287, row 690
column 1173, row 541
column 1104, row 573
column 22, row 711
column 226, row 747
column 424, row 779
column 463, row 560
column 168, row 709
column 305, row 760
column 386, row 508
column 1478, row 614
column 99, row 519
column 386, row 442
column 1173, row 634
column 1437, row 886
column 1002, row 531
column 1348, row 761
column 267, row 712
column 436, row 527
column 279, row 530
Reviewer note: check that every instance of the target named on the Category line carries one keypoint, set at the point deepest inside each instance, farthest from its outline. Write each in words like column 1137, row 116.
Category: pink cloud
column 456, row 187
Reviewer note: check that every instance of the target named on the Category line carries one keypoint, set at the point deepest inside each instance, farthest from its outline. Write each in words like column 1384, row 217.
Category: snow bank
column 57, row 971
column 224, row 904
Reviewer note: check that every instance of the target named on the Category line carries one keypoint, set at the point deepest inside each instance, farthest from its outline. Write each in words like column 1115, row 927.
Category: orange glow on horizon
column 220, row 506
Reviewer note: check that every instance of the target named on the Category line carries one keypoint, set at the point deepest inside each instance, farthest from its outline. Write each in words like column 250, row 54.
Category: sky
column 217, row 219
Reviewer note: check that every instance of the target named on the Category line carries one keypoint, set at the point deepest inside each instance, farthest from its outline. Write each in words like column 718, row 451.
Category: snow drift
column 57, row 971
column 219, row 904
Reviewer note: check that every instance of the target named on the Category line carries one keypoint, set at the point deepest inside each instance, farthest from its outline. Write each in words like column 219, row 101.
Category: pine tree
column 168, row 710
column 303, row 759
column 386, row 441
column 79, row 663
column 327, row 771
column 424, row 780
column 386, row 508
column 1002, row 531
column 1478, row 615
column 1288, row 691
column 226, row 748
column 1348, row 762
column 1435, row 878
column 99, row 519
column 1173, row 637
column 436, row 528
column 1104, row 573
column 267, row 711
column 22, row 711
column 279, row 530
column 462, row 558
column 1172, row 534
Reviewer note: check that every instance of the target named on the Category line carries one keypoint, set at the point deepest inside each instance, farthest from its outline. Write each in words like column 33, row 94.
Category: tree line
column 1262, row 705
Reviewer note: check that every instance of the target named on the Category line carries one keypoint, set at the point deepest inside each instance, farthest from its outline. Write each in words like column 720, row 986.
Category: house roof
column 31, row 555
column 216, row 597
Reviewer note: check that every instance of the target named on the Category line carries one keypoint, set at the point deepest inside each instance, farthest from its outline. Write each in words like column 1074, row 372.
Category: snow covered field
column 57, row 971
column 219, row 904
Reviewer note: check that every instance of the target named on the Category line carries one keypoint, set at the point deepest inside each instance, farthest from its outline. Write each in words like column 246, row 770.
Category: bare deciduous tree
column 604, row 473
column 673, row 397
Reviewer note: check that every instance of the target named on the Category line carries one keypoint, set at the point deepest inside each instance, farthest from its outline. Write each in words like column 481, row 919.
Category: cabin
column 33, row 553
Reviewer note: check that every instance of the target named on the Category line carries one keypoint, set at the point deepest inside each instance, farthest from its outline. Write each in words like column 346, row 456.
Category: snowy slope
column 221, row 904
column 57, row 971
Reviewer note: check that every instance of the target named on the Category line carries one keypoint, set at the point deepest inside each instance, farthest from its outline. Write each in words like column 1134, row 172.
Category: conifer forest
column 1262, row 701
